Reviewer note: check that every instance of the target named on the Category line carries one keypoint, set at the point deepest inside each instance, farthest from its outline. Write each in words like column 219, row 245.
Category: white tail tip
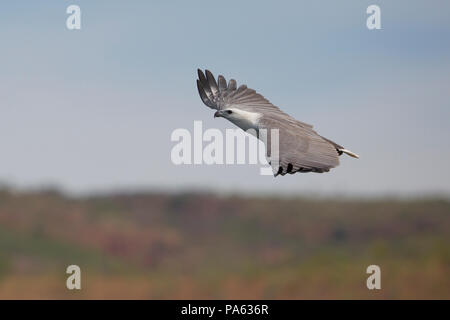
column 351, row 154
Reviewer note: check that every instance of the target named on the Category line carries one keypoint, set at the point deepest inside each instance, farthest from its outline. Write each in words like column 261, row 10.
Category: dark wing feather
column 222, row 83
column 203, row 95
column 212, row 83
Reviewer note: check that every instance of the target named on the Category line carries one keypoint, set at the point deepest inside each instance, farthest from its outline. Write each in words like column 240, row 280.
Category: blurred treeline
column 201, row 245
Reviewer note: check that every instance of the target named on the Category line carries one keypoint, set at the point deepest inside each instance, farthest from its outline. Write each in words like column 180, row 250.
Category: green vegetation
column 206, row 246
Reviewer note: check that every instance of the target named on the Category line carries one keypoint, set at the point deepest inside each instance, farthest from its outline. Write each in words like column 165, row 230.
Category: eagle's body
column 301, row 149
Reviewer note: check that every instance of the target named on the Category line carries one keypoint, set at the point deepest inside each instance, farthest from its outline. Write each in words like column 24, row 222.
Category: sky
column 92, row 110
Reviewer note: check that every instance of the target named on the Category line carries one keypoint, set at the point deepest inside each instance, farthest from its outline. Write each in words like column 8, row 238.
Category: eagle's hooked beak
column 217, row 114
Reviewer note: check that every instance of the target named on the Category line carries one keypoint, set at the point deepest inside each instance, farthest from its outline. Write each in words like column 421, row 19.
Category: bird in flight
column 300, row 148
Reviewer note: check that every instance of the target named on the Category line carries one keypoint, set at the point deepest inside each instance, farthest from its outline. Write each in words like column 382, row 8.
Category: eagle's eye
column 229, row 111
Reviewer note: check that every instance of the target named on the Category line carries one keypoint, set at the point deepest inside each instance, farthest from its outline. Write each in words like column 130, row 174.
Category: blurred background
column 86, row 176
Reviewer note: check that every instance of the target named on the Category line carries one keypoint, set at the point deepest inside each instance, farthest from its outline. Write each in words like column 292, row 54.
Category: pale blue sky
column 93, row 110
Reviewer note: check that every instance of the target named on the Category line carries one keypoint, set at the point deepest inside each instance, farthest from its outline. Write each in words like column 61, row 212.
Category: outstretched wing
column 220, row 95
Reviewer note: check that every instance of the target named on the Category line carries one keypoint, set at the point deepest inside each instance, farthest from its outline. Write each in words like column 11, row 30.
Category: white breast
column 245, row 120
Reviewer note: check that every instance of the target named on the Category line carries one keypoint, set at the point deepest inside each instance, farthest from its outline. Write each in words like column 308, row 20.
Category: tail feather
column 340, row 149
column 351, row 154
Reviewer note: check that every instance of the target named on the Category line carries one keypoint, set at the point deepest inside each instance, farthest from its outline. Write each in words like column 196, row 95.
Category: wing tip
column 208, row 73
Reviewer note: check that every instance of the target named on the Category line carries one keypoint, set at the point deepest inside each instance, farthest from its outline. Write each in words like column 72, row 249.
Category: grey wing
column 300, row 149
column 221, row 95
